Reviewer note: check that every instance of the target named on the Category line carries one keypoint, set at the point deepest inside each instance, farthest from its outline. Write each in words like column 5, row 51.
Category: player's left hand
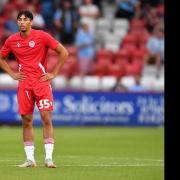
column 47, row 76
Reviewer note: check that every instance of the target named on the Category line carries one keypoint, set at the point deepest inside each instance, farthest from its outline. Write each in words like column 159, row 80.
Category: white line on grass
column 100, row 157
column 114, row 165
column 108, row 158
column 104, row 165
column 143, row 163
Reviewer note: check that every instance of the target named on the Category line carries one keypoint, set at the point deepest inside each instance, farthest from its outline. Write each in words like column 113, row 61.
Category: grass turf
column 87, row 153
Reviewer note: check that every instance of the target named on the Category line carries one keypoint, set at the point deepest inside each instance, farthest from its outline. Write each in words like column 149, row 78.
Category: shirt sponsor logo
column 31, row 44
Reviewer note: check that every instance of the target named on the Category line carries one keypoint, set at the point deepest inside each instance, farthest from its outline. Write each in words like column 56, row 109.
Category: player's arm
column 62, row 54
column 4, row 65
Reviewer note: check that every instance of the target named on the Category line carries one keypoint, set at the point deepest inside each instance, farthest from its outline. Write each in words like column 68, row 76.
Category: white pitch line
column 108, row 158
column 140, row 159
column 104, row 165
column 112, row 165
column 90, row 157
column 146, row 163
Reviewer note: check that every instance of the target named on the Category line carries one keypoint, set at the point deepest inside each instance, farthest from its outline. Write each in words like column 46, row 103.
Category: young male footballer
column 30, row 47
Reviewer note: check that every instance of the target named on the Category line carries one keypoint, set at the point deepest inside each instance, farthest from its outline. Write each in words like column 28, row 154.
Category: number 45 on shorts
column 45, row 104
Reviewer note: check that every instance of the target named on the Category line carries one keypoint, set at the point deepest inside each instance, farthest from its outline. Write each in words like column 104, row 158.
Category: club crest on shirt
column 18, row 45
column 31, row 44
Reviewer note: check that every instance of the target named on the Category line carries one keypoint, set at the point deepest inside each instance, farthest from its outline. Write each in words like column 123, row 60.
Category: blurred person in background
column 30, row 48
column 2, row 3
column 20, row 4
column 11, row 23
column 38, row 20
column 89, row 12
column 14, row 5
column 127, row 9
column 11, row 26
column 151, row 19
column 86, row 49
column 66, row 22
column 36, row 3
column 152, row 12
column 155, row 46
column 47, row 11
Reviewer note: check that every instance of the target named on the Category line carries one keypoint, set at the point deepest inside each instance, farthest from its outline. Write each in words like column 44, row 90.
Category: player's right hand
column 19, row 76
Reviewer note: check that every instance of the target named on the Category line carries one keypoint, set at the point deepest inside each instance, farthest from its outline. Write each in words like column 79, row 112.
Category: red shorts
column 42, row 95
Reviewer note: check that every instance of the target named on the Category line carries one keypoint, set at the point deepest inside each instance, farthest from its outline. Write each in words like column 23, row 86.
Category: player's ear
column 31, row 22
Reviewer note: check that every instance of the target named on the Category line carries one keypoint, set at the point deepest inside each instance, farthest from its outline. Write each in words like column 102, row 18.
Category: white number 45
column 44, row 104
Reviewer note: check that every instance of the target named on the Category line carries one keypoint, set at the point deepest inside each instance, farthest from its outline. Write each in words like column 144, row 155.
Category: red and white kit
column 30, row 53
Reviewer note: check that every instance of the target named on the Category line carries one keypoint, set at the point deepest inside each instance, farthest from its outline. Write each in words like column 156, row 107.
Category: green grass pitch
column 87, row 153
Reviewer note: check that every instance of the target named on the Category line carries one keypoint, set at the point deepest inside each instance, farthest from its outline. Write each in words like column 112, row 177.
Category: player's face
column 24, row 23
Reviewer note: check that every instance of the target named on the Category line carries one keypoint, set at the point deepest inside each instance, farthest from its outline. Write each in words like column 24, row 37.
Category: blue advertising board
column 93, row 108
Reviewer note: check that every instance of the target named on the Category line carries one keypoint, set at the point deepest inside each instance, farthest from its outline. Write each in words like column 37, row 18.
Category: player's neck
column 25, row 34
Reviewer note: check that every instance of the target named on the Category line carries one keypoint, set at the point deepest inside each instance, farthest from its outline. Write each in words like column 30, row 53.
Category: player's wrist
column 13, row 75
column 54, row 74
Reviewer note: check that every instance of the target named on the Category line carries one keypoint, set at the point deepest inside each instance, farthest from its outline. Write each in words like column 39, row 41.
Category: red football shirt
column 30, row 53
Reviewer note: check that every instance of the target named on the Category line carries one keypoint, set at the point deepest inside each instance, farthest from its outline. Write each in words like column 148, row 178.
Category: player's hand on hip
column 19, row 76
column 47, row 76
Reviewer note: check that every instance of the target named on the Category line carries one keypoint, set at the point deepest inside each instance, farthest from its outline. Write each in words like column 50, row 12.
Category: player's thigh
column 25, row 101
column 44, row 98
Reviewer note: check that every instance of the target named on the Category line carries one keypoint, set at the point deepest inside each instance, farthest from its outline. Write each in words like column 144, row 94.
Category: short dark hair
column 26, row 13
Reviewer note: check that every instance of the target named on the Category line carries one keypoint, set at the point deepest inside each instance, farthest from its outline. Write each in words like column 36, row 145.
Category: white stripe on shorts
column 27, row 95
column 42, row 68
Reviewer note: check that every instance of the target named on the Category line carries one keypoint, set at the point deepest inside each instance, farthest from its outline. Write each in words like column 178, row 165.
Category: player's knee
column 46, row 119
column 47, row 122
column 27, row 121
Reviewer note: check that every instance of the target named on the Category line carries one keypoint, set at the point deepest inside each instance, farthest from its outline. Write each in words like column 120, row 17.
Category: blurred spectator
column 155, row 47
column 66, row 22
column 160, row 11
column 20, row 4
column 137, row 87
column 8, row 7
column 35, row 3
column 38, row 20
column 47, row 11
column 2, row 3
column 127, row 8
column 151, row 19
column 11, row 23
column 85, row 44
column 14, row 5
column 89, row 12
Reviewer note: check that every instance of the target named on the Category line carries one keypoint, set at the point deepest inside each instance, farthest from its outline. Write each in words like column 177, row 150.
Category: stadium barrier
column 92, row 108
